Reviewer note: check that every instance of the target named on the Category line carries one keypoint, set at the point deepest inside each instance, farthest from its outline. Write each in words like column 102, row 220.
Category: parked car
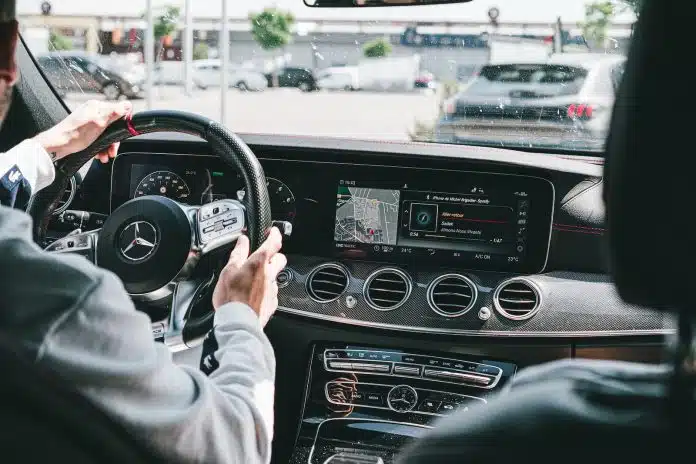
column 206, row 73
column 425, row 80
column 338, row 78
column 86, row 73
column 565, row 101
column 301, row 78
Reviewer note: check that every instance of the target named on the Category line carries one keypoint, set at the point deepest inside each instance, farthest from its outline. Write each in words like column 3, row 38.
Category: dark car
column 565, row 101
column 301, row 78
column 74, row 72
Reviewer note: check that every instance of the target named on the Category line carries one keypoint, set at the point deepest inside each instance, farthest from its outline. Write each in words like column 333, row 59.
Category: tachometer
column 282, row 200
column 164, row 183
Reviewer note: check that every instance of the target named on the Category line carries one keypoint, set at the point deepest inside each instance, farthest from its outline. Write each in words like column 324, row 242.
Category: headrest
column 650, row 170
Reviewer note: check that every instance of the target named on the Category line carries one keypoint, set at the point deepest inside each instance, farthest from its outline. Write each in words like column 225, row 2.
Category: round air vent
column 327, row 282
column 387, row 289
column 67, row 197
column 517, row 299
column 452, row 295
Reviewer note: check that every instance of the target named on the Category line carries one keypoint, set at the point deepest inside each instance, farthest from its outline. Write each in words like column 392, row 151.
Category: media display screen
column 481, row 224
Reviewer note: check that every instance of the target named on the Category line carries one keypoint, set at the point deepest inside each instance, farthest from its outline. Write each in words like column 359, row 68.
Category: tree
column 598, row 16
column 165, row 23
column 200, row 51
column 377, row 48
column 635, row 5
column 59, row 42
column 272, row 29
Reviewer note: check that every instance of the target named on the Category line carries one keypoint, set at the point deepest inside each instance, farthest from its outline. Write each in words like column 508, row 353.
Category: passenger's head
column 8, row 67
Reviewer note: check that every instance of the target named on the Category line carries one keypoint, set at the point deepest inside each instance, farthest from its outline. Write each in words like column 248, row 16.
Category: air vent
column 387, row 289
column 517, row 299
column 327, row 283
column 452, row 295
column 67, row 197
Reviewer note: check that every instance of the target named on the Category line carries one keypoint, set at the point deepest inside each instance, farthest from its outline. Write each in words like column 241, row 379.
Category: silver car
column 565, row 101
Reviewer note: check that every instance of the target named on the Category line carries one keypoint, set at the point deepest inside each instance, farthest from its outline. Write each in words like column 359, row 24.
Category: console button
column 462, row 377
column 359, row 397
column 429, row 405
column 341, row 365
column 413, row 371
column 446, row 407
column 408, row 358
column 489, row 370
column 283, row 279
column 371, row 367
column 374, row 399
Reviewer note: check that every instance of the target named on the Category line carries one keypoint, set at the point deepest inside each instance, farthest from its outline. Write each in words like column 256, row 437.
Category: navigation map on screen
column 367, row 215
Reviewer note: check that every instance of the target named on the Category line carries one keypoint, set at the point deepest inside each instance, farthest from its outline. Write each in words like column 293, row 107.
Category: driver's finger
column 112, row 151
column 270, row 247
column 114, row 111
column 240, row 252
column 103, row 156
column 277, row 263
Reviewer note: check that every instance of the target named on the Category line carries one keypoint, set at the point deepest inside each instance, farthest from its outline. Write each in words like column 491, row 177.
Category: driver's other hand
column 82, row 127
column 252, row 279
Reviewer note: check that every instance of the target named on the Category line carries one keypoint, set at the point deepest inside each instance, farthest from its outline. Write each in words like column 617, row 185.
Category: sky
column 570, row 11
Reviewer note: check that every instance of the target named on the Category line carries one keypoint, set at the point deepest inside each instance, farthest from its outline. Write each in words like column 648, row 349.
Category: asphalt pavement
column 357, row 115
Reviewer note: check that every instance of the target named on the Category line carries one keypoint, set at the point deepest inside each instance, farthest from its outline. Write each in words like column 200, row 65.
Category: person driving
column 78, row 319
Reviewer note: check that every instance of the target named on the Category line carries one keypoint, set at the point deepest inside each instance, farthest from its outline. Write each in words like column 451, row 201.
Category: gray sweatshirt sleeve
column 79, row 320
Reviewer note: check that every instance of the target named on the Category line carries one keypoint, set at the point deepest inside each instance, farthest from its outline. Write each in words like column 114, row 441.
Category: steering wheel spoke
column 186, row 295
column 84, row 244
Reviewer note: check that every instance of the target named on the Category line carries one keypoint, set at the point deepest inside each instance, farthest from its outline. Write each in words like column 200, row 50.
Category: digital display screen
column 478, row 224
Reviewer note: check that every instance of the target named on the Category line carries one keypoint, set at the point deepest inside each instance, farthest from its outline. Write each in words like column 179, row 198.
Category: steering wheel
column 153, row 243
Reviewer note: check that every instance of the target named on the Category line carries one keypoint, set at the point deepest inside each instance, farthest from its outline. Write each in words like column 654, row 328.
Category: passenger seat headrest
column 650, row 170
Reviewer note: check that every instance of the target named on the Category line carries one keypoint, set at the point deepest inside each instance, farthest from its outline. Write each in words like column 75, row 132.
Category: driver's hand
column 82, row 127
column 252, row 279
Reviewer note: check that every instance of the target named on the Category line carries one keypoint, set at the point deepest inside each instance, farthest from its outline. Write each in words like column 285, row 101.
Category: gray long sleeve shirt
column 79, row 320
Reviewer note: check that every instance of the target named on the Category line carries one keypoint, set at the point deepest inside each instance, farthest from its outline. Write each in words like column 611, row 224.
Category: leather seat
column 604, row 411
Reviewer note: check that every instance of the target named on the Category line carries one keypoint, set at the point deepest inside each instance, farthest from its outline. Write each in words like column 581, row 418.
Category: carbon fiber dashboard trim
column 574, row 305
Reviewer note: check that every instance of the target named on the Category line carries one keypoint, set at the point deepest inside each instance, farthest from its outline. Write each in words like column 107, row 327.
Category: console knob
column 484, row 313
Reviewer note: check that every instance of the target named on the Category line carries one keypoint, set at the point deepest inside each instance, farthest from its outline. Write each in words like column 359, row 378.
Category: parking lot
column 359, row 115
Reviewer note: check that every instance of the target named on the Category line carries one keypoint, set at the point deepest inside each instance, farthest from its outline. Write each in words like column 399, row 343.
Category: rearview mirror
column 359, row 3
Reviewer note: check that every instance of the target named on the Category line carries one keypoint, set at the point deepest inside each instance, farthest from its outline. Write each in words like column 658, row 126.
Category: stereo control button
column 463, row 377
column 413, row 371
column 341, row 365
column 446, row 407
column 371, row 367
column 429, row 405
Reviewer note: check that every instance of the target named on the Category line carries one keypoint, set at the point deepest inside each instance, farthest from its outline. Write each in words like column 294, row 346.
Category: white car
column 206, row 73
column 338, row 78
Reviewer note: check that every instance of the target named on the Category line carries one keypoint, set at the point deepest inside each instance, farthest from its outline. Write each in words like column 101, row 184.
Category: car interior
column 565, row 257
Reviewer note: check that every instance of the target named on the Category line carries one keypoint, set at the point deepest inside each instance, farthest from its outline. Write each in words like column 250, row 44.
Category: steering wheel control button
column 284, row 278
column 218, row 219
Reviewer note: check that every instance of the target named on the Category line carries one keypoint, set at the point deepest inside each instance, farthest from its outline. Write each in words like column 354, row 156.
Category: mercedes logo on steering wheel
column 138, row 240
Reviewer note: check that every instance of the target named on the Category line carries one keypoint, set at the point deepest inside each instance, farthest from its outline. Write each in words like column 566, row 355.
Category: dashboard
column 386, row 238
column 477, row 220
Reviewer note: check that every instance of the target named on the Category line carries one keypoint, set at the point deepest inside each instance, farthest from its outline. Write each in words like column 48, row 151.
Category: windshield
column 541, row 74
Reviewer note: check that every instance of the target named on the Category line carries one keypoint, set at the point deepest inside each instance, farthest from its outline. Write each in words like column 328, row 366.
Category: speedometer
column 164, row 183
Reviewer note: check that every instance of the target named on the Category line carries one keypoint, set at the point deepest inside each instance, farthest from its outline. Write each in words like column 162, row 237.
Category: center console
column 363, row 404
